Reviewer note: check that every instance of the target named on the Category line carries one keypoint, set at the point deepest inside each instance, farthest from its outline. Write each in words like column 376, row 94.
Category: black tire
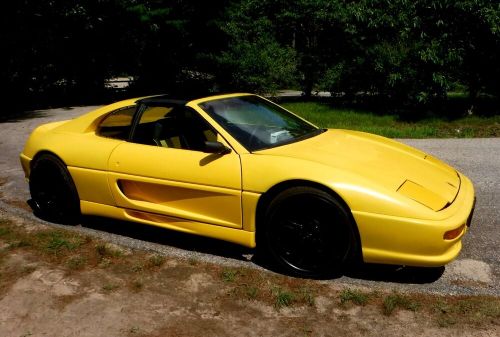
column 308, row 232
column 53, row 192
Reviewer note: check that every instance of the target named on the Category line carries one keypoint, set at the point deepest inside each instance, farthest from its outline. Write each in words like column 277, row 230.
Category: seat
column 166, row 133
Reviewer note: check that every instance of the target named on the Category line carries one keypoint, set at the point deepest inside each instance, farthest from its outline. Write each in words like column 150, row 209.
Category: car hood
column 388, row 163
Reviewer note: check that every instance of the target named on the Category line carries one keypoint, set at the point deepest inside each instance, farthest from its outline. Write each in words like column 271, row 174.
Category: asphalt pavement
column 476, row 270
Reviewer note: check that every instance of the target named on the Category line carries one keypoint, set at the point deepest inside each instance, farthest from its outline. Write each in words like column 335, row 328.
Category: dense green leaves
column 412, row 52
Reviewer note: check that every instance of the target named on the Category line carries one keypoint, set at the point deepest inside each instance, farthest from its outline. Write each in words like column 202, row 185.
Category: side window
column 117, row 124
column 176, row 127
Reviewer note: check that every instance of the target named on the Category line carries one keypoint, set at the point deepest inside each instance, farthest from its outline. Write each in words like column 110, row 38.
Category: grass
column 283, row 297
column 475, row 310
column 229, row 275
column 109, row 287
column 76, row 262
column 354, row 296
column 306, row 295
column 396, row 300
column 327, row 116
column 107, row 250
column 252, row 292
column 156, row 261
column 137, row 285
column 57, row 241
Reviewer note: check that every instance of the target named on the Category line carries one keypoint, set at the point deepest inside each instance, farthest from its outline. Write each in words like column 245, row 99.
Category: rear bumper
column 415, row 242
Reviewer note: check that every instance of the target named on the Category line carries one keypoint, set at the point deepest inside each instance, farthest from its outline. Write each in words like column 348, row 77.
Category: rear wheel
column 309, row 232
column 53, row 192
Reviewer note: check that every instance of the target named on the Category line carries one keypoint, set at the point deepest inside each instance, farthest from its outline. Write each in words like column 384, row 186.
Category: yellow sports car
column 242, row 169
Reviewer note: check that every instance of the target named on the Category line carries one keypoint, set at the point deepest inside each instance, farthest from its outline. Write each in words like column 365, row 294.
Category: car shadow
column 194, row 243
column 167, row 237
column 395, row 274
column 370, row 272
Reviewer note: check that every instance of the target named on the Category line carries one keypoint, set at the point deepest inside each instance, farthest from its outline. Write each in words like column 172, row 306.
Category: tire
column 308, row 232
column 53, row 192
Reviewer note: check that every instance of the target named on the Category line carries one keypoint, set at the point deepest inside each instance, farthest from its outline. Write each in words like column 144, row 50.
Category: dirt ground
column 59, row 283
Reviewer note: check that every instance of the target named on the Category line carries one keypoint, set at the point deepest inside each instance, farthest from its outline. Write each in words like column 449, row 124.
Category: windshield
column 256, row 123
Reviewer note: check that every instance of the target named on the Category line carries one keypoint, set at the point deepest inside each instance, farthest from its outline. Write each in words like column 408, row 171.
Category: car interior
column 177, row 127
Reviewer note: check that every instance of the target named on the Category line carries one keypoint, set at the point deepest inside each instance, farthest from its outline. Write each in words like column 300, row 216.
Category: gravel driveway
column 476, row 271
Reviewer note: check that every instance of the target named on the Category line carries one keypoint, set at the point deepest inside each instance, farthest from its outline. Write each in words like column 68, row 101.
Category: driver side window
column 176, row 127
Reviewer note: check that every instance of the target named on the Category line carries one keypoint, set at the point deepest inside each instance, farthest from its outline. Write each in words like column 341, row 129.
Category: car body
column 126, row 161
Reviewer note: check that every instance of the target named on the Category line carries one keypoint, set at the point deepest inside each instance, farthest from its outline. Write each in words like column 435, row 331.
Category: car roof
column 175, row 100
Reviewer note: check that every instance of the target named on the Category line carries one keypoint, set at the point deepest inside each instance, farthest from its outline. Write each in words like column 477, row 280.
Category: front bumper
column 415, row 242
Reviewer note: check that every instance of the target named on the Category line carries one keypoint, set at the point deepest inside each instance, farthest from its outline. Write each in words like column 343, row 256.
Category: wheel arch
column 45, row 152
column 271, row 193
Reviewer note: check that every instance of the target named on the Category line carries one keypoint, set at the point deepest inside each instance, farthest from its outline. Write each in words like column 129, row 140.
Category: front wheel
column 309, row 232
column 53, row 192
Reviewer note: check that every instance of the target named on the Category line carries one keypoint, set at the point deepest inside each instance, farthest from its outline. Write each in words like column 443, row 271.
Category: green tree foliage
column 411, row 52
column 175, row 40
column 58, row 48
column 252, row 59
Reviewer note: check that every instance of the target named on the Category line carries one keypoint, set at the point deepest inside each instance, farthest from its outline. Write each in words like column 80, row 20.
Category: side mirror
column 216, row 147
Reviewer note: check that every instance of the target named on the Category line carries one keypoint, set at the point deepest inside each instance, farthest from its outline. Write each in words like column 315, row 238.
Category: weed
column 134, row 329
column 156, row 261
column 109, row 287
column 4, row 231
column 76, row 262
column 471, row 310
column 306, row 296
column 106, row 250
column 229, row 275
column 137, row 284
column 445, row 322
column 395, row 300
column 354, row 296
column 137, row 268
column 20, row 243
column 192, row 261
column 55, row 242
column 252, row 292
column 282, row 298
column 105, row 262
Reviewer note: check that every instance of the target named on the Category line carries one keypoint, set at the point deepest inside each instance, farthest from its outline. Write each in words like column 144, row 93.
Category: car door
column 163, row 170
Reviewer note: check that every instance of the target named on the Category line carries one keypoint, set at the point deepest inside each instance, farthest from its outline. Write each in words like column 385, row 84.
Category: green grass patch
column 156, row 260
column 76, row 262
column 229, row 275
column 396, row 300
column 325, row 115
column 57, row 241
column 475, row 310
column 306, row 296
column 4, row 231
column 252, row 292
column 283, row 297
column 353, row 296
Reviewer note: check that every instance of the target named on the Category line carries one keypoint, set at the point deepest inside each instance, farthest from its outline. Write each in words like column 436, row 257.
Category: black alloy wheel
column 53, row 192
column 309, row 232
